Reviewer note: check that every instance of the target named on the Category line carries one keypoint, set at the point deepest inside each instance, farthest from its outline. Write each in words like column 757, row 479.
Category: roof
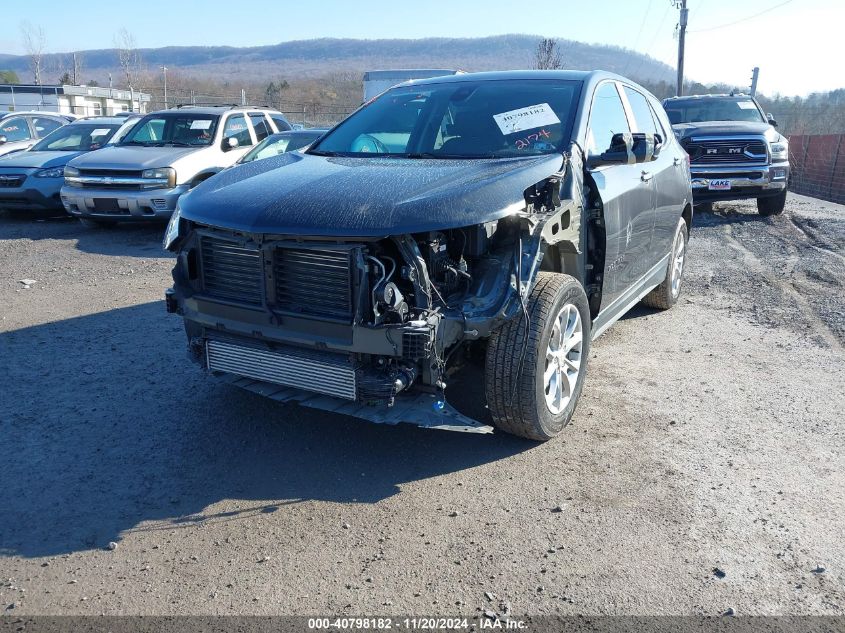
column 44, row 113
column 406, row 73
column 499, row 75
column 216, row 109
column 738, row 95
column 105, row 120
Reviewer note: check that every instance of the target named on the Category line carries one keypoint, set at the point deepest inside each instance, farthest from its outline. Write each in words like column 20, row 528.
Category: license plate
column 106, row 205
column 719, row 185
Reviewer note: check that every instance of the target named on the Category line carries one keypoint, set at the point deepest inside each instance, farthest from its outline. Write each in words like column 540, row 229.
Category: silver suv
column 166, row 154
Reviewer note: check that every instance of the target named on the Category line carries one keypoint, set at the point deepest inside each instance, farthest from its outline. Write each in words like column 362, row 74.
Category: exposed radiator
column 230, row 271
column 322, row 372
column 314, row 281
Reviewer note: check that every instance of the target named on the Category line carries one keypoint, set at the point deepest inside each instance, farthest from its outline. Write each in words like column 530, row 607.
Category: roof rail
column 228, row 106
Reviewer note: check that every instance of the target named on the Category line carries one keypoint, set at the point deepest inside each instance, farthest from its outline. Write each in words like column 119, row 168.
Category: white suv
column 163, row 156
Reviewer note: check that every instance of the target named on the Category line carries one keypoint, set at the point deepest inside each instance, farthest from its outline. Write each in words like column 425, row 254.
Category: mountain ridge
column 320, row 56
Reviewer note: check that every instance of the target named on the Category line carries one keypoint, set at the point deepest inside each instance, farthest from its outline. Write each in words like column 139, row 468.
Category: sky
column 796, row 43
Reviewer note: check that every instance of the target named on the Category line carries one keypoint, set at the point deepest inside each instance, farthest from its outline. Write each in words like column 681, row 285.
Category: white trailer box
column 377, row 81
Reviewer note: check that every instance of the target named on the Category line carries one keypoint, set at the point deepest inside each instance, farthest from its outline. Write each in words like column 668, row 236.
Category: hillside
column 312, row 58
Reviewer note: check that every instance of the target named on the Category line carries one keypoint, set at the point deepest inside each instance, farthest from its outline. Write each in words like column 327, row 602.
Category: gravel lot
column 704, row 469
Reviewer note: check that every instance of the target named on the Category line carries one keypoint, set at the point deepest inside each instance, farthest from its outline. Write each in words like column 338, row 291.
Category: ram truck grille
column 314, row 281
column 231, row 271
column 312, row 370
column 704, row 151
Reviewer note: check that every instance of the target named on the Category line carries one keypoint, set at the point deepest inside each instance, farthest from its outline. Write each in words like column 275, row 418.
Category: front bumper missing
column 420, row 409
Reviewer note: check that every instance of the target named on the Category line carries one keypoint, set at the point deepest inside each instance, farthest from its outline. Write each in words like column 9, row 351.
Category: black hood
column 302, row 194
column 720, row 128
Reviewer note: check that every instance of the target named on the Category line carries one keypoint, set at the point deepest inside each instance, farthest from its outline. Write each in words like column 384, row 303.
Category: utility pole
column 682, row 32
column 164, row 70
column 755, row 72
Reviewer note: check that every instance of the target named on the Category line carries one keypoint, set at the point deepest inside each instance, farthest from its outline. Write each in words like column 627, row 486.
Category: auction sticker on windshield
column 200, row 124
column 722, row 184
column 526, row 118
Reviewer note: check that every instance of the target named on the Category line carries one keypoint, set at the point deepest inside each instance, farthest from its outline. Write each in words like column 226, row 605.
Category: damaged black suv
column 507, row 218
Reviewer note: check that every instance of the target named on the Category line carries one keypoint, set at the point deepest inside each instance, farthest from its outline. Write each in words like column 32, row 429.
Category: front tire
column 772, row 205
column 538, row 401
column 666, row 294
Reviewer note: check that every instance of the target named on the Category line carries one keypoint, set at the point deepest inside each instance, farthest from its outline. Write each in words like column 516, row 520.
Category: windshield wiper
column 141, row 143
column 318, row 152
column 419, row 155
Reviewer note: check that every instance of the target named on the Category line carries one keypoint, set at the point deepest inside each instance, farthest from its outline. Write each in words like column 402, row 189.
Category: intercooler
column 322, row 372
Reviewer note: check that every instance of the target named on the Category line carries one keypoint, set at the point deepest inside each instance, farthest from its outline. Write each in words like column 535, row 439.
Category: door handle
column 646, row 176
column 676, row 162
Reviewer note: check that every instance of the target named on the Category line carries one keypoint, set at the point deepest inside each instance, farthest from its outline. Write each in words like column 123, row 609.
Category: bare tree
column 547, row 56
column 127, row 55
column 76, row 74
column 34, row 42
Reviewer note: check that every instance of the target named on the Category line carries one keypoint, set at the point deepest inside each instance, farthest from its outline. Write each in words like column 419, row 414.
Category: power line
column 750, row 17
column 637, row 39
column 653, row 39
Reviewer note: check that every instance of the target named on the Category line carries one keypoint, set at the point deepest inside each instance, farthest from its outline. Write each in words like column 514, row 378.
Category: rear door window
column 44, row 125
column 259, row 125
column 236, row 128
column 281, row 124
column 643, row 116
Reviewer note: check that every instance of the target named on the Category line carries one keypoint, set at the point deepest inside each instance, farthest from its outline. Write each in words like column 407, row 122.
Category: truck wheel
column 666, row 294
column 537, row 401
column 772, row 205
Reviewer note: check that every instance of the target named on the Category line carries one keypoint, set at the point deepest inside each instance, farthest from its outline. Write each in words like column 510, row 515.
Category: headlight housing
column 51, row 172
column 173, row 231
column 159, row 177
column 780, row 149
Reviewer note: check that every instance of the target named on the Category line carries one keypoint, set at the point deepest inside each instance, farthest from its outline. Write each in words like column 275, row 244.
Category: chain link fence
column 305, row 114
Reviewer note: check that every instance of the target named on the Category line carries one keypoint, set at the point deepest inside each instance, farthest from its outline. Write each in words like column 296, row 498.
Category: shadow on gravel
column 106, row 424
column 730, row 215
column 127, row 240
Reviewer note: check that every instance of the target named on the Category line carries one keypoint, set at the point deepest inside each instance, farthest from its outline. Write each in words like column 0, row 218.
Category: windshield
column 467, row 119
column 279, row 144
column 187, row 130
column 704, row 109
column 77, row 137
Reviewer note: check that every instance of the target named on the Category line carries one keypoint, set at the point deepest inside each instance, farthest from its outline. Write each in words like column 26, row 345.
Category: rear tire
column 666, row 294
column 538, row 401
column 771, row 205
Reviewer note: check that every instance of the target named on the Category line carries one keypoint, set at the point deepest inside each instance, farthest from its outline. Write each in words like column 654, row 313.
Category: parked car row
column 109, row 169
column 32, row 179
column 21, row 130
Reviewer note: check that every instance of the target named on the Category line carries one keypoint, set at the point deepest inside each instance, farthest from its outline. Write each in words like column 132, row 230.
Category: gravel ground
column 704, row 468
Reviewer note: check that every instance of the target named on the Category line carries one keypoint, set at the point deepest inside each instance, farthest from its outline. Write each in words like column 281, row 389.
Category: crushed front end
column 366, row 326
column 367, row 322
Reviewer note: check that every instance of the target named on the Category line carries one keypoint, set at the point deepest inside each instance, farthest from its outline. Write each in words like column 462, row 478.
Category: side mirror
column 646, row 147
column 230, row 143
column 2, row 139
column 629, row 149
column 620, row 152
column 771, row 119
